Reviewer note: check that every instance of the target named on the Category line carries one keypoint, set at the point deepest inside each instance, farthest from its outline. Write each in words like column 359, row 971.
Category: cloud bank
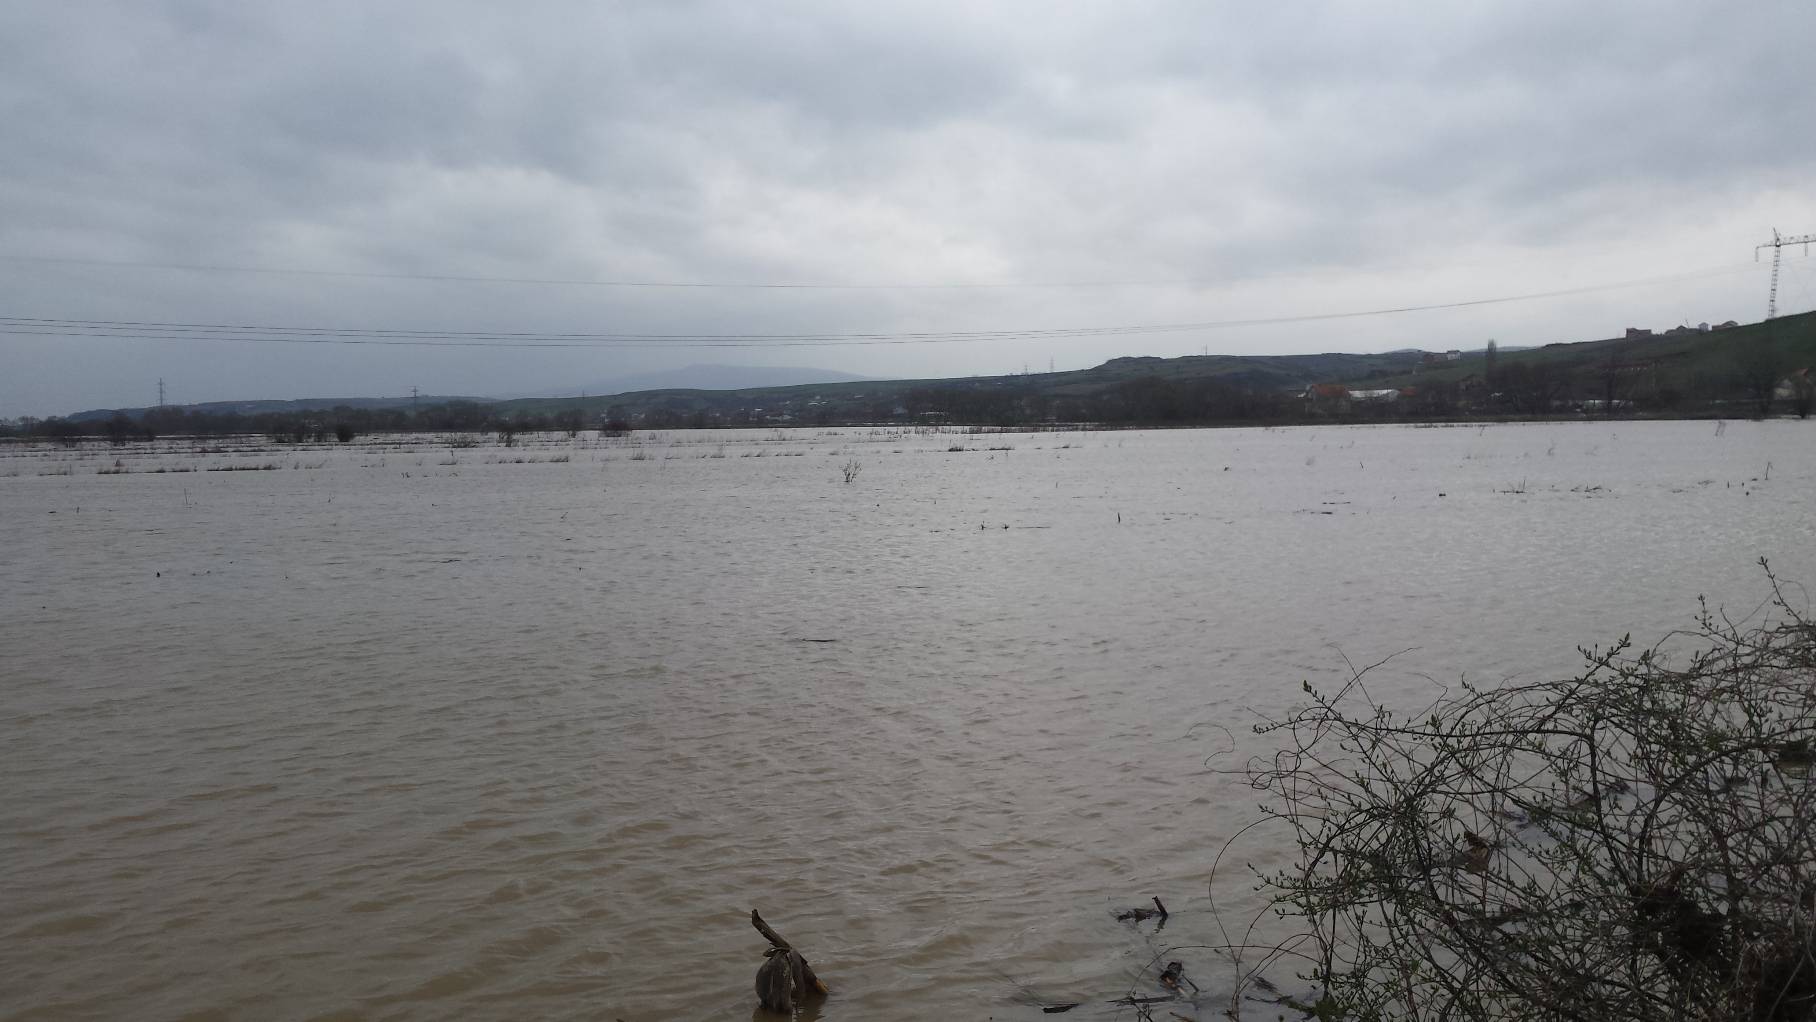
column 1072, row 165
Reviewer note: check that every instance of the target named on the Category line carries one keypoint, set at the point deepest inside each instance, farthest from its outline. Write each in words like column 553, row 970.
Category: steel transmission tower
column 1777, row 245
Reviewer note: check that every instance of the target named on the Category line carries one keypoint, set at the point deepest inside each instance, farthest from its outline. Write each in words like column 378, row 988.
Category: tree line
column 1759, row 378
column 341, row 423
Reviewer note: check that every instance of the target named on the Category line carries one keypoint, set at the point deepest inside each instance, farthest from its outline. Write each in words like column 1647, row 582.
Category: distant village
column 1635, row 333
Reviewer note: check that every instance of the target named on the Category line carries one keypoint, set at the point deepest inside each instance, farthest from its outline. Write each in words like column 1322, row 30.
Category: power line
column 265, row 334
column 604, row 282
column 609, row 283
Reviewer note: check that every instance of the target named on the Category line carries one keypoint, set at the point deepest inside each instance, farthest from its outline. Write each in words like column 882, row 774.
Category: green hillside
column 1723, row 371
column 983, row 398
column 1661, row 373
column 1753, row 370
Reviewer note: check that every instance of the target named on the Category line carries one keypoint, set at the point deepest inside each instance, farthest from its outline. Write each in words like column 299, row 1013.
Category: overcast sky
column 967, row 166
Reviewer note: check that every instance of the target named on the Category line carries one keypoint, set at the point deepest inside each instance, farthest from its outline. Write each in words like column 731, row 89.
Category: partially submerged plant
column 1636, row 842
column 785, row 979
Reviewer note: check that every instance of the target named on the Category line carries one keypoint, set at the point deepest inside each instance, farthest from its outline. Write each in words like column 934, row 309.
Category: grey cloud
column 1240, row 144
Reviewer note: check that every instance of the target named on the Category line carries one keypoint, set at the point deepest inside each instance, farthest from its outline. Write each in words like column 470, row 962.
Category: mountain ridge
column 1672, row 366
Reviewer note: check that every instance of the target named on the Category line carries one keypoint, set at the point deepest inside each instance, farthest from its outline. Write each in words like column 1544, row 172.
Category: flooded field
column 406, row 729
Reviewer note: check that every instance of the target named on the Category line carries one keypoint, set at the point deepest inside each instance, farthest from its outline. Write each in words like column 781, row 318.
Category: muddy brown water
column 394, row 730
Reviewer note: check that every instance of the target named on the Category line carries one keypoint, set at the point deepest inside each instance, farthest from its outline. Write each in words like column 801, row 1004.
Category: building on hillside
column 1326, row 397
column 1635, row 333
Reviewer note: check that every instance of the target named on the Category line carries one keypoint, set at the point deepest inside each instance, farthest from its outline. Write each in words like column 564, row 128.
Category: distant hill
column 1722, row 371
column 708, row 377
column 307, row 404
column 1690, row 362
column 878, row 400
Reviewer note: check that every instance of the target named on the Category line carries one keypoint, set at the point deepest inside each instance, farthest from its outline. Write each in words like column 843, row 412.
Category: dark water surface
column 398, row 731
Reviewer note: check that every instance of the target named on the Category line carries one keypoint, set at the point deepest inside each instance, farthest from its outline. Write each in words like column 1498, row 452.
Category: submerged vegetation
column 1636, row 842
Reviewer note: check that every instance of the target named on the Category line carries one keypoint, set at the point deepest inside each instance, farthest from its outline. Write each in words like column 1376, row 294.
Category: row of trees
column 1758, row 374
column 341, row 422
column 1623, row 381
column 1154, row 400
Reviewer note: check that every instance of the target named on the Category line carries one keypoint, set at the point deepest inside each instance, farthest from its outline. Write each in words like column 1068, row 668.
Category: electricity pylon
column 1777, row 245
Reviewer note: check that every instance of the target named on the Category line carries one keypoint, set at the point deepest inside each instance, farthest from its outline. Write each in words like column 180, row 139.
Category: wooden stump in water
column 784, row 979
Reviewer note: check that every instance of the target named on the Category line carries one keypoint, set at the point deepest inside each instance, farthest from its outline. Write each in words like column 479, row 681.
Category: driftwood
column 784, row 979
column 1175, row 979
column 1136, row 915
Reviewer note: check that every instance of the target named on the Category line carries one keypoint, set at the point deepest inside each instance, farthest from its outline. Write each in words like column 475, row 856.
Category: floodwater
column 397, row 730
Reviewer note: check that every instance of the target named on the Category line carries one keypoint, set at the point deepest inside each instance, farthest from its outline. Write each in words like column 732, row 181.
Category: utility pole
column 1777, row 245
column 412, row 402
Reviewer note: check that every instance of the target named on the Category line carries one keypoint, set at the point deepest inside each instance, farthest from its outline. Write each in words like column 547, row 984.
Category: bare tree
column 1803, row 392
column 1636, row 842
column 1759, row 366
column 1619, row 378
column 1533, row 386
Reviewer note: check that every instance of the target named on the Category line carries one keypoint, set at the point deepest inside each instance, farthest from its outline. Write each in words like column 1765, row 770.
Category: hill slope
column 1663, row 371
column 708, row 377
column 1729, row 371
column 880, row 400
column 1735, row 371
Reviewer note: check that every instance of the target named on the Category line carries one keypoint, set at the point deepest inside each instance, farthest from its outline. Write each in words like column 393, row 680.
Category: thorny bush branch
column 1635, row 842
